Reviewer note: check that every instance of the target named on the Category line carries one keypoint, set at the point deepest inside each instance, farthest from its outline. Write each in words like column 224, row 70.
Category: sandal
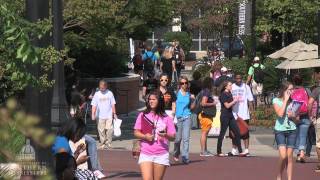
column 221, row 155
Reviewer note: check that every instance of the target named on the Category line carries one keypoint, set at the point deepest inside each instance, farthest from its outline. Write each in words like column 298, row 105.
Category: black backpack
column 148, row 63
column 258, row 74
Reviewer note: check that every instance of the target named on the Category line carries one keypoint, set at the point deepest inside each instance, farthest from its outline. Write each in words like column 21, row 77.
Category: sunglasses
column 183, row 83
column 166, row 80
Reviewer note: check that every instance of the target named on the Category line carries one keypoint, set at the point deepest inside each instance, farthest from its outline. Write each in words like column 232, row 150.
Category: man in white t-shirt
column 104, row 106
column 242, row 108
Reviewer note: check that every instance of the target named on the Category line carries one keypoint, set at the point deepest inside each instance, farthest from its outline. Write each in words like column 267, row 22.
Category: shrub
column 184, row 38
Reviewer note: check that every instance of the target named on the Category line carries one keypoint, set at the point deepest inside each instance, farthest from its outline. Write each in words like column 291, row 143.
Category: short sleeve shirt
column 207, row 93
column 149, row 54
column 251, row 69
column 151, row 85
column 154, row 125
column 243, row 93
column 61, row 142
column 226, row 97
column 104, row 102
column 169, row 97
column 280, row 122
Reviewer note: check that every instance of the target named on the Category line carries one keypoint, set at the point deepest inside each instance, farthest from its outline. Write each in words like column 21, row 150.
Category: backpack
column 148, row 63
column 137, row 60
column 258, row 76
column 301, row 95
column 198, row 108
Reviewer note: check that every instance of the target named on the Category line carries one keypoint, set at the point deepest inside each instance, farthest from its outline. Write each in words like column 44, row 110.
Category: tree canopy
column 298, row 17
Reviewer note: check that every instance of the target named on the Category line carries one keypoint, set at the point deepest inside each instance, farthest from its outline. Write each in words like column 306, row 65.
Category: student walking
column 154, row 128
column 183, row 114
column 104, row 104
column 315, row 97
column 304, row 122
column 242, row 109
column 285, row 130
column 205, row 118
column 168, row 95
column 227, row 118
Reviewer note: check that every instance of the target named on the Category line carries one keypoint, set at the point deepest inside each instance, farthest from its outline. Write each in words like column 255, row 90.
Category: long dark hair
column 283, row 87
column 224, row 85
column 207, row 83
column 73, row 129
column 160, row 108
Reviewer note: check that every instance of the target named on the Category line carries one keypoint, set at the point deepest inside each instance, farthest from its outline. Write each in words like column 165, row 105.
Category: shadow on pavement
column 130, row 174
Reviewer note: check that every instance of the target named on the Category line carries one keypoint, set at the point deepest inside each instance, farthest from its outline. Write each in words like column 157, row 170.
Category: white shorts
column 162, row 159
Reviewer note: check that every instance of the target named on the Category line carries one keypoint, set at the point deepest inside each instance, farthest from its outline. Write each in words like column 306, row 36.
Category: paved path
column 121, row 165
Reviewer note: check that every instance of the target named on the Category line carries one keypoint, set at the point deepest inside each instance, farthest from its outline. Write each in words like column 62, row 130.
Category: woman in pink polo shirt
column 154, row 128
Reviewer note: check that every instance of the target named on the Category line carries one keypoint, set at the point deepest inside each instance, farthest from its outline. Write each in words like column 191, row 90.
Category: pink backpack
column 300, row 94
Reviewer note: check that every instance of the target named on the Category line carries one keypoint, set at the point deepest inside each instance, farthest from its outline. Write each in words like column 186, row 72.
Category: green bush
column 237, row 65
column 184, row 38
column 204, row 71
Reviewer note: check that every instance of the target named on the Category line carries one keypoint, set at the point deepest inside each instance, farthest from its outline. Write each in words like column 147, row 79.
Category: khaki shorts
column 317, row 129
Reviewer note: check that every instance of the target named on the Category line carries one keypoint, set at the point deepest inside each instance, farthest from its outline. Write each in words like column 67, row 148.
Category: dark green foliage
column 184, row 38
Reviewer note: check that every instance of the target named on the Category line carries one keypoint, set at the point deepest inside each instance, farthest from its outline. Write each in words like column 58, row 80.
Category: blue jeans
column 183, row 134
column 302, row 133
column 286, row 138
column 92, row 151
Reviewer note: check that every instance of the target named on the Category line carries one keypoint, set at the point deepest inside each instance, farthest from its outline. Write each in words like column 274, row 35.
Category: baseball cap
column 256, row 58
column 224, row 69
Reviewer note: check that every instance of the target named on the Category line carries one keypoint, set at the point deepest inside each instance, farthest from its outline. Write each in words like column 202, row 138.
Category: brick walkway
column 121, row 165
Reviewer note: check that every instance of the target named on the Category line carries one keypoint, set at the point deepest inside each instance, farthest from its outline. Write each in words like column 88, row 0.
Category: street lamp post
column 253, row 32
column 36, row 102
column 59, row 107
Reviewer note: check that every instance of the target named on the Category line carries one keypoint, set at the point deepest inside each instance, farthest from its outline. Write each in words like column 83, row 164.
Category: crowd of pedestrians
column 175, row 105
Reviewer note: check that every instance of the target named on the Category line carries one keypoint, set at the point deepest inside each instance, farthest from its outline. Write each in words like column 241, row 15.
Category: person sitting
column 66, row 160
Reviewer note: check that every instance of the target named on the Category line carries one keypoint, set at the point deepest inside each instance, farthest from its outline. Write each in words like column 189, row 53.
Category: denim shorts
column 286, row 138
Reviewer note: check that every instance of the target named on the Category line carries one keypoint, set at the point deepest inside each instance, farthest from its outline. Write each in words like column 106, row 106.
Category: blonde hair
column 167, row 54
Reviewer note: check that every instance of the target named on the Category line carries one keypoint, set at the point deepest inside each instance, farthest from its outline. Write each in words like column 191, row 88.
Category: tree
column 97, row 31
column 17, row 52
column 295, row 17
column 211, row 17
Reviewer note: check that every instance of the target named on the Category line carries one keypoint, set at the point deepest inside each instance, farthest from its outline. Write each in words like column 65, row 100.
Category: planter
column 125, row 90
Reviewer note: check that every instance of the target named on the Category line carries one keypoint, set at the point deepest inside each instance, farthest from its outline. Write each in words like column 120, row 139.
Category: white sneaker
column 235, row 152
column 99, row 174
column 246, row 151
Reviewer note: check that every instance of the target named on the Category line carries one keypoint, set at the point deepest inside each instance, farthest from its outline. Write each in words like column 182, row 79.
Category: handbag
column 243, row 127
column 209, row 111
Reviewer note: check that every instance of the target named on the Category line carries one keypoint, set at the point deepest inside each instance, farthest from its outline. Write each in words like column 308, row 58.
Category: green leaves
column 18, row 54
column 297, row 17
